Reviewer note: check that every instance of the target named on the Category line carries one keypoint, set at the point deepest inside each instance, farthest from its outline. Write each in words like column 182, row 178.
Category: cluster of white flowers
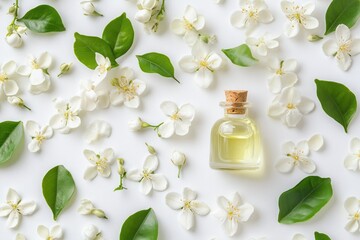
column 150, row 13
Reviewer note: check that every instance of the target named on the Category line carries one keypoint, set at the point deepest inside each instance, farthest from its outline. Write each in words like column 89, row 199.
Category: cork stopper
column 237, row 98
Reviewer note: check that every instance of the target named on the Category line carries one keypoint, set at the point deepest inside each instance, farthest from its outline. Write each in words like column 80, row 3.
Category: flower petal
column 214, row 61
column 108, row 154
column 265, row 16
column 43, row 232
column 189, row 194
column 10, row 87
column 74, row 122
column 167, row 129
column 37, row 77
column 298, row 237
column 90, row 156
column 343, row 60
column 303, row 148
column 352, row 205
column 133, row 102
column 246, row 210
column 187, row 112
column 285, row 165
column 105, row 171
column 56, row 232
column 9, row 68
column 173, row 200
column 190, row 14
column 238, row 19
column 342, row 33
column 151, row 163
column 288, row 79
column 32, row 128
column 199, row 24
column 146, row 186
column 276, row 110
column 44, row 61
column 352, row 225
column 159, row 182
column 181, row 128
column 169, row 108
column 13, row 219
column 355, row 145
column 24, row 70
column 231, row 227
column 27, row 208
column 178, row 27
column 199, row 208
column 57, row 121
column 307, row 165
column 309, row 22
column 12, row 196
column 186, row 219
column 5, row 209
column 292, row 29
column 330, row 47
column 306, row 105
column 316, row 142
column 274, row 84
column 289, row 65
column 203, row 77
column 191, row 37
column 293, row 117
column 351, row 162
column 188, row 64
column 90, row 173
column 134, row 175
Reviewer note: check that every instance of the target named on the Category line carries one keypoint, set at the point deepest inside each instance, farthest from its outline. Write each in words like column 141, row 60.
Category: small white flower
column 97, row 130
column 55, row 233
column 146, row 176
column 88, row 208
column 251, row 13
column 15, row 208
column 8, row 85
column 282, row 74
column 92, row 96
column 91, row 232
column 104, row 65
column 14, row 40
column 298, row 15
column 38, row 73
column 38, row 135
column 298, row 236
column 20, row 236
column 343, row 48
column 295, row 155
column 232, row 212
column 352, row 206
column 127, row 89
column 67, row 116
column 101, row 163
column 290, row 106
column 189, row 26
column 135, row 124
column 203, row 63
column 179, row 160
column 178, row 119
column 89, row 8
column 261, row 45
column 146, row 8
column 352, row 160
column 188, row 206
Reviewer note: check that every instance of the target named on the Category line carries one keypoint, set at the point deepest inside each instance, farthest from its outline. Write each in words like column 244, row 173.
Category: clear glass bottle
column 235, row 138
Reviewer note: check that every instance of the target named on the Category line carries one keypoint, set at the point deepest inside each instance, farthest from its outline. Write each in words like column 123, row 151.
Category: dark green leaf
column 240, row 55
column 58, row 187
column 156, row 63
column 85, row 48
column 142, row 225
column 43, row 19
column 321, row 236
column 119, row 34
column 11, row 135
column 302, row 202
column 342, row 12
column 337, row 101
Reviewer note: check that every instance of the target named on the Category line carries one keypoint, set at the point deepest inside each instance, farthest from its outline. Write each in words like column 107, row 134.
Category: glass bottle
column 235, row 138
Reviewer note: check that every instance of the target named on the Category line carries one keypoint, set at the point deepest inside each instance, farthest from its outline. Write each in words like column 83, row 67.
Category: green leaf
column 85, row 48
column 321, row 236
column 58, row 188
column 119, row 34
column 142, row 225
column 43, row 19
column 156, row 63
column 302, row 202
column 11, row 135
column 342, row 12
column 240, row 55
column 337, row 101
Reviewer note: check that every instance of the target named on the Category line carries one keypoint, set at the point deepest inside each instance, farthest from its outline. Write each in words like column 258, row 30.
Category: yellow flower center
column 357, row 216
column 175, row 117
column 233, row 212
column 279, row 72
column 291, row 106
column 204, row 64
column 34, row 64
column 345, row 48
column 188, row 25
column 40, row 138
column 101, row 164
column 49, row 238
column 123, row 85
column 187, row 204
column 3, row 77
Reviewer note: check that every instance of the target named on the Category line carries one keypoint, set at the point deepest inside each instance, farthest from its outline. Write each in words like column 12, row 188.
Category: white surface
column 26, row 174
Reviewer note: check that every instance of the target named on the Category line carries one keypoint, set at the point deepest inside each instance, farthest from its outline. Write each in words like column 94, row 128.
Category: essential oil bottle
column 235, row 139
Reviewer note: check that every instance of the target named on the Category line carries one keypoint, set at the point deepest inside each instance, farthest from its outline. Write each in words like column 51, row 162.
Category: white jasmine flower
column 179, row 160
column 282, row 74
column 14, row 208
column 135, row 124
column 104, row 65
column 101, row 163
column 343, row 48
column 97, row 130
column 55, row 233
column 19, row 236
column 89, row 8
column 232, row 212
column 295, row 155
column 352, row 206
column 91, row 233
column 92, row 96
column 8, row 85
column 38, row 73
column 67, row 117
column 298, row 15
column 146, row 8
column 146, row 176
column 251, row 13
column 178, row 119
column 352, row 160
column 38, row 135
column 88, row 208
column 189, row 26
column 203, row 62
column 290, row 106
column 299, row 236
column 261, row 45
column 17, row 101
column 188, row 206
column 127, row 89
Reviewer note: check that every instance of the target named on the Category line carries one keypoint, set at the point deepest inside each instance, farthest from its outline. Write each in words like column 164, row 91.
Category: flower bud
column 121, row 169
column 20, row 29
column 14, row 100
column 136, row 124
column 143, row 16
column 151, row 149
column 64, row 68
column 89, row 8
column 99, row 213
column 14, row 40
column 91, row 233
column 178, row 159
column 314, row 38
column 12, row 10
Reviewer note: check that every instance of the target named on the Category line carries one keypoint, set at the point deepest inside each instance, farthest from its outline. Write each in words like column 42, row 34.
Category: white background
column 25, row 175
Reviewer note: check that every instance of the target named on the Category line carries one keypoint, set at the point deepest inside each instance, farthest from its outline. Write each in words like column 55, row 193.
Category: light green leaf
column 85, row 48
column 11, row 135
column 342, row 12
column 321, row 236
column 58, row 188
column 240, row 56
column 142, row 225
column 337, row 101
column 43, row 19
column 119, row 34
column 157, row 63
column 302, row 202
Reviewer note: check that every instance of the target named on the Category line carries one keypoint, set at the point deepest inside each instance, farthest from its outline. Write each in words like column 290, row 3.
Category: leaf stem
column 176, row 79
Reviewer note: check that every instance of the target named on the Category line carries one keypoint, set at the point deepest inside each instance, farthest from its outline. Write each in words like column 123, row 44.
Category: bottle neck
column 244, row 114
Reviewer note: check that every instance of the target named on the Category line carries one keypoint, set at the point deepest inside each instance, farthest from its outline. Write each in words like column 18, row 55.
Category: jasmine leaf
column 58, row 188
column 140, row 226
column 156, row 63
column 342, row 12
column 321, row 236
column 43, row 19
column 240, row 55
column 11, row 135
column 85, row 48
column 119, row 34
column 337, row 101
column 303, row 201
